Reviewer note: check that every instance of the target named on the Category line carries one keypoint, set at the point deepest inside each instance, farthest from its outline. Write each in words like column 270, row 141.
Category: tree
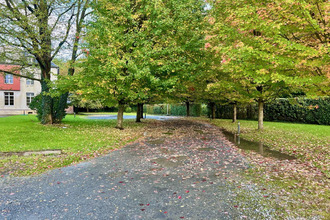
column 82, row 12
column 227, row 91
column 140, row 48
column 275, row 46
column 40, row 29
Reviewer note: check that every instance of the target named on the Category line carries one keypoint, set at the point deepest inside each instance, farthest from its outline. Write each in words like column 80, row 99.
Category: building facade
column 16, row 93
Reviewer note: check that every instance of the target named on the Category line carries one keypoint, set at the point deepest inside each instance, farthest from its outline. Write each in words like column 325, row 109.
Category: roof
column 53, row 65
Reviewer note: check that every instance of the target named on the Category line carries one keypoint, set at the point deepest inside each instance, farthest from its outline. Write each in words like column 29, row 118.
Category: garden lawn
column 300, row 186
column 78, row 138
column 309, row 143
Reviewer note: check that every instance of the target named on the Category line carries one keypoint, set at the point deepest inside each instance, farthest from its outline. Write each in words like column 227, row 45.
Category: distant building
column 16, row 93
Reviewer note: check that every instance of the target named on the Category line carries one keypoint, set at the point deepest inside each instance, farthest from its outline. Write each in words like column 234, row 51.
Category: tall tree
column 82, row 11
column 39, row 29
column 140, row 48
column 274, row 46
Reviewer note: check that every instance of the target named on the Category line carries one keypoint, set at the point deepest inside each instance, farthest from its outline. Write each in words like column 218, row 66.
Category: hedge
column 298, row 110
column 196, row 110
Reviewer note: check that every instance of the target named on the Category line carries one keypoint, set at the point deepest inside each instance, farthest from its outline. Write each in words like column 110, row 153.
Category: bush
column 298, row 110
column 174, row 109
column 128, row 109
column 196, row 110
column 58, row 107
column 178, row 110
column 311, row 111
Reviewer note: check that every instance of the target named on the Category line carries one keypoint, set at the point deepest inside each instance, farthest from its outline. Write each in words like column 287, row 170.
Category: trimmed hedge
column 174, row 109
column 299, row 110
column 310, row 111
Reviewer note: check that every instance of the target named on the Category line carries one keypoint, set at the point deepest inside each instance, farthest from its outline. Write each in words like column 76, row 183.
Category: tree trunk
column 260, row 114
column 141, row 110
column 47, row 105
column 249, row 112
column 188, row 109
column 60, row 112
column 234, row 112
column 120, row 115
column 138, row 113
column 261, row 148
column 212, row 105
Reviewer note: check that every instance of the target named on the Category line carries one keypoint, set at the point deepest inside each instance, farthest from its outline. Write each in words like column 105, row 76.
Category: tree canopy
column 275, row 47
column 33, row 32
column 141, row 49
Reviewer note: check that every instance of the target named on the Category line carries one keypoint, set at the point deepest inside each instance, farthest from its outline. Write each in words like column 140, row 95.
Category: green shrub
column 174, row 109
column 128, row 109
column 178, row 110
column 298, row 110
column 302, row 110
column 157, row 110
column 205, row 110
column 196, row 110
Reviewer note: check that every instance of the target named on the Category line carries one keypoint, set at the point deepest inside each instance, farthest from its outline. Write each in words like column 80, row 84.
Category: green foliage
column 58, row 106
column 128, row 109
column 310, row 111
column 298, row 110
column 275, row 45
column 180, row 110
column 269, row 49
column 81, row 102
column 33, row 33
column 158, row 109
column 205, row 110
column 36, row 104
column 139, row 50
column 243, row 111
column 175, row 109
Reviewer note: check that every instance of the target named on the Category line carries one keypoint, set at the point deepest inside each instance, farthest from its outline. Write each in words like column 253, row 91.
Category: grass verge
column 78, row 138
column 300, row 186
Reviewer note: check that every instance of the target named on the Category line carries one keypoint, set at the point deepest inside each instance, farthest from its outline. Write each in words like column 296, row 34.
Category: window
column 9, row 79
column 29, row 82
column 29, row 98
column 9, row 98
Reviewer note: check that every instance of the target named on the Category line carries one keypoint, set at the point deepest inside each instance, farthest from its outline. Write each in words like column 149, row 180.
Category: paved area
column 186, row 173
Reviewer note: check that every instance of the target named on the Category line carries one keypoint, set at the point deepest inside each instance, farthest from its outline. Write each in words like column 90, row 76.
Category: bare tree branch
column 65, row 37
column 28, row 6
column 19, row 75
column 60, row 16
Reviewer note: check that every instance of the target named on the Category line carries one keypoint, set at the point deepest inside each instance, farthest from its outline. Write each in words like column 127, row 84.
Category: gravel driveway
column 189, row 172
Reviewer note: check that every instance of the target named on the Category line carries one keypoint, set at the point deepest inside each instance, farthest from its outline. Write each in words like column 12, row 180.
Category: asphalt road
column 190, row 172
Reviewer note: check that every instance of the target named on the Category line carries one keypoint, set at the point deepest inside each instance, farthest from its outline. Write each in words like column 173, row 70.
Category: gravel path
column 187, row 172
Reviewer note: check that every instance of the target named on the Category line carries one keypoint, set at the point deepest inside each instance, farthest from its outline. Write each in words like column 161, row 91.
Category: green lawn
column 300, row 186
column 305, row 141
column 78, row 138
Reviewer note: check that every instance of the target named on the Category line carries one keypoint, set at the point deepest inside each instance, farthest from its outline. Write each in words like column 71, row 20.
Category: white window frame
column 9, row 99
column 29, row 98
column 29, row 82
column 9, row 79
